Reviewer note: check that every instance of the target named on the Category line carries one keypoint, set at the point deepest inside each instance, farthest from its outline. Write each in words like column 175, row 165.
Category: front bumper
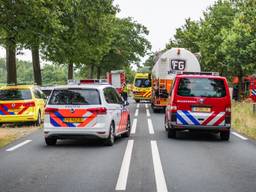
column 178, row 127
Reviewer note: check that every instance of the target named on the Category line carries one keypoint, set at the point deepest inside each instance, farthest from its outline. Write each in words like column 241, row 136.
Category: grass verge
column 243, row 119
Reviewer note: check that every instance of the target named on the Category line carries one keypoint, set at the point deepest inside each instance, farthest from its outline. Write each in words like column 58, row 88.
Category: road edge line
column 18, row 145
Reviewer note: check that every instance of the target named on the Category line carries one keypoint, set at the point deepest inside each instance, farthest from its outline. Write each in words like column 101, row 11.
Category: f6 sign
column 178, row 65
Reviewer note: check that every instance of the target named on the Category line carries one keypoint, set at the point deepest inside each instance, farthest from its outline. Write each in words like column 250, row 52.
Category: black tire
column 171, row 133
column 165, row 124
column 225, row 135
column 39, row 119
column 137, row 101
column 128, row 128
column 111, row 138
column 50, row 141
column 1, row 124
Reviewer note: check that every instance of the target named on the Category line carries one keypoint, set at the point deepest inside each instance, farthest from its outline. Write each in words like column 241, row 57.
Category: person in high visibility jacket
column 125, row 92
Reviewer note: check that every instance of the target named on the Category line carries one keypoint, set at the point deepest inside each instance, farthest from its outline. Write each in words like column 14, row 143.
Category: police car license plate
column 201, row 109
column 73, row 120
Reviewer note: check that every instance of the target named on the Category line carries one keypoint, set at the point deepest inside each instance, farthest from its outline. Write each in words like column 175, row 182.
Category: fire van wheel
column 224, row 136
column 50, row 141
column 171, row 133
column 39, row 119
column 111, row 138
column 128, row 128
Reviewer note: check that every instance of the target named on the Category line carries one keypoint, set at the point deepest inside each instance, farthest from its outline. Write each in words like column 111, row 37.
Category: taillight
column 173, row 108
column 98, row 110
column 228, row 109
column 50, row 110
column 29, row 104
column 228, row 116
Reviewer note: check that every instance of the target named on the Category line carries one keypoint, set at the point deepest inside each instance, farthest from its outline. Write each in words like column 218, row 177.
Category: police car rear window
column 15, row 94
column 201, row 87
column 75, row 97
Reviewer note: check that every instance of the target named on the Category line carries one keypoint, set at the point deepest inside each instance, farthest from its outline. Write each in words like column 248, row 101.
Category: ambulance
column 142, row 89
column 164, row 73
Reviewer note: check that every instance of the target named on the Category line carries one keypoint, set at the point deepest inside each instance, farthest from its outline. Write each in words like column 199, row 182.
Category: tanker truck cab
column 199, row 101
column 142, row 87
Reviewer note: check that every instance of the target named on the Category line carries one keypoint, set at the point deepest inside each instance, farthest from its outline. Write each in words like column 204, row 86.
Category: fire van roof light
column 178, row 51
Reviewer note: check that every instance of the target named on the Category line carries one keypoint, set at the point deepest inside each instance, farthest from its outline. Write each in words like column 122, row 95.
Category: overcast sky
column 161, row 17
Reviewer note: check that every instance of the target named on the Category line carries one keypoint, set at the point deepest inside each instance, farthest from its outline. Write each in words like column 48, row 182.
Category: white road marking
column 150, row 127
column 159, row 175
column 138, row 105
column 134, row 125
column 148, row 114
column 239, row 136
column 146, row 105
column 136, row 113
column 18, row 145
column 123, row 174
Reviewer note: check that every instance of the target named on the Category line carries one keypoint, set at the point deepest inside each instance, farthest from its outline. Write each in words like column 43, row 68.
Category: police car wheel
column 50, row 141
column 171, row 133
column 111, row 138
column 128, row 128
column 224, row 136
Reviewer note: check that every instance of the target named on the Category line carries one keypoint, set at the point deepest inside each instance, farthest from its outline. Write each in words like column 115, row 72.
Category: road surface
column 146, row 162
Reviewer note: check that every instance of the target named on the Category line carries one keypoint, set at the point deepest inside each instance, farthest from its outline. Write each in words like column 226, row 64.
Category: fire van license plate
column 73, row 120
column 201, row 109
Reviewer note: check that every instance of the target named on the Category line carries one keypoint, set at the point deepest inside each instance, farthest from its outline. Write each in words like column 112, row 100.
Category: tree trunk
column 36, row 65
column 98, row 72
column 70, row 71
column 11, row 62
column 91, row 72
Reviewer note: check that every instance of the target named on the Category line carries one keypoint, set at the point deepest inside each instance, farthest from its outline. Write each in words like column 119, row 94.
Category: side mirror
column 125, row 103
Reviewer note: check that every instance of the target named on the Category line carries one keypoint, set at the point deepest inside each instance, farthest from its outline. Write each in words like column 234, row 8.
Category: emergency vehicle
column 164, row 72
column 86, row 111
column 199, row 101
column 142, row 89
column 21, row 103
column 117, row 79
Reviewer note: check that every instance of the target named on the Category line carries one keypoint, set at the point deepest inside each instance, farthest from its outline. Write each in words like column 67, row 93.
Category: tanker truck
column 164, row 71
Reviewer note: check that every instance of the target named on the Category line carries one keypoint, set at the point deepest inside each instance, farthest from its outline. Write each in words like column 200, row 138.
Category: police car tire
column 225, row 135
column 128, row 128
column 50, row 141
column 171, row 133
column 111, row 138
column 137, row 101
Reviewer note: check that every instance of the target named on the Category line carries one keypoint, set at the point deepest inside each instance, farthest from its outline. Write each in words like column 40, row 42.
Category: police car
column 21, row 103
column 86, row 111
column 199, row 101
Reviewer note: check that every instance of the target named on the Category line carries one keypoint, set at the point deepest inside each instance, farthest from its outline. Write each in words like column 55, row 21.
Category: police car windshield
column 15, row 94
column 75, row 97
column 201, row 87
column 142, row 83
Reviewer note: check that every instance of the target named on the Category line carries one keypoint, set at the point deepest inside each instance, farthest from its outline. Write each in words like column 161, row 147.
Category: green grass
column 243, row 119
column 8, row 139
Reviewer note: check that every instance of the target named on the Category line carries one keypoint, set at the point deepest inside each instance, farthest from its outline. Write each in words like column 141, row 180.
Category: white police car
column 83, row 111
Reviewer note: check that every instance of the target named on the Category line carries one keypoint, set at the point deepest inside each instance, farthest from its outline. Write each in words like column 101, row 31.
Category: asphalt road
column 146, row 162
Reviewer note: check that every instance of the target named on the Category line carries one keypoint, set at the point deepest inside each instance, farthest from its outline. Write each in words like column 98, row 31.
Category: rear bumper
column 17, row 118
column 178, row 127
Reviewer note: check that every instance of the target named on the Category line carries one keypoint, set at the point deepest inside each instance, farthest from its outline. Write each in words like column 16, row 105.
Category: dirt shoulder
column 10, row 134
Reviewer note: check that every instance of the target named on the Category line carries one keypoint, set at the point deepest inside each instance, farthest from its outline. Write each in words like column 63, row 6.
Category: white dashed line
column 150, row 127
column 148, row 114
column 159, row 175
column 146, row 105
column 123, row 174
column 134, row 125
column 18, row 146
column 239, row 136
column 136, row 113
column 138, row 105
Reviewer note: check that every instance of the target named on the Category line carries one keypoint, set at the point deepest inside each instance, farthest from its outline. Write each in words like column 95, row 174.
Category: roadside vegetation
column 243, row 119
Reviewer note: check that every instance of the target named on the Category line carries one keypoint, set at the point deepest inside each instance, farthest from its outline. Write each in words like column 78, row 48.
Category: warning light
column 178, row 51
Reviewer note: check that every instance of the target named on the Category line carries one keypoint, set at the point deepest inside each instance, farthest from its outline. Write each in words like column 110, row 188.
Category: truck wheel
column 171, row 133
column 128, row 128
column 225, row 135
column 50, row 141
column 111, row 138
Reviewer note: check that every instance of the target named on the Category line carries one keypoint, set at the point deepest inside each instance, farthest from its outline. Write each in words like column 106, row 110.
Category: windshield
column 15, row 94
column 75, row 97
column 201, row 87
column 142, row 83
